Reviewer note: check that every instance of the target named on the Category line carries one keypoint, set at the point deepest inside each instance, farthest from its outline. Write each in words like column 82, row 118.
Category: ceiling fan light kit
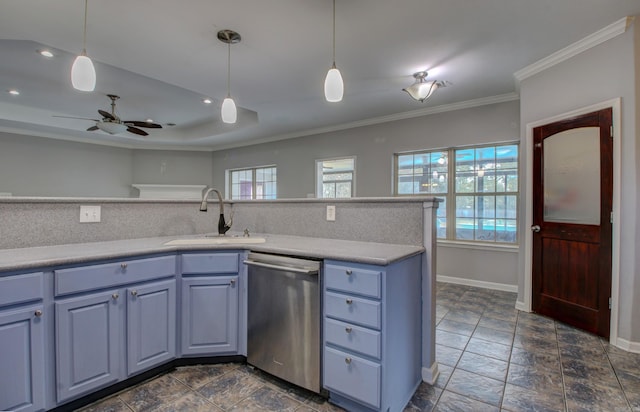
column 422, row 89
column 83, row 74
column 333, row 83
column 228, row 111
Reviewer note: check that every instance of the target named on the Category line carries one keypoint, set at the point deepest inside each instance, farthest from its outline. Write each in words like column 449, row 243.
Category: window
column 481, row 197
column 253, row 183
column 335, row 178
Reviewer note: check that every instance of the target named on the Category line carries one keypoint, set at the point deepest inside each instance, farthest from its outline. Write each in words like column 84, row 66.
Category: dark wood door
column 572, row 205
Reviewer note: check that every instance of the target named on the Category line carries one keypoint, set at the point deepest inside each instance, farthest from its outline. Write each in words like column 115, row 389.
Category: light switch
column 89, row 214
column 331, row 213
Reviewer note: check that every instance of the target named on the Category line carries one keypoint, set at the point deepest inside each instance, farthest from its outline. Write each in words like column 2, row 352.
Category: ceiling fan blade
column 79, row 118
column 137, row 131
column 139, row 123
column 106, row 115
column 92, row 129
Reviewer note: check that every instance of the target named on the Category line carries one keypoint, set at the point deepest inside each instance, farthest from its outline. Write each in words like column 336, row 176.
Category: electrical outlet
column 89, row 214
column 331, row 213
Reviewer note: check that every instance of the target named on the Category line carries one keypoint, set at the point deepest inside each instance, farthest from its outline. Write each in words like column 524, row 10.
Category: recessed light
column 14, row 92
column 46, row 53
column 149, row 120
column 206, row 101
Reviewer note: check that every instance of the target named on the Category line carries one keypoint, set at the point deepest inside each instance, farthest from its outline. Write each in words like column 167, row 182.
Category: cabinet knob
column 348, row 330
column 134, row 293
column 347, row 361
column 232, row 282
column 349, row 301
column 115, row 296
column 123, row 266
column 348, row 272
column 38, row 313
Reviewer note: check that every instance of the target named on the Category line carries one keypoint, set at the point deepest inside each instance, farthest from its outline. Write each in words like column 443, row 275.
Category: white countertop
column 12, row 260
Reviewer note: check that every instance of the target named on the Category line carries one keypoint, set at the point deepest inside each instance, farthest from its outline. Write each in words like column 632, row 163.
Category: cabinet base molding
column 430, row 375
column 134, row 380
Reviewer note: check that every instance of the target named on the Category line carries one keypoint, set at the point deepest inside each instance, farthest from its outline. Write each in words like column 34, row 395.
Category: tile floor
column 491, row 358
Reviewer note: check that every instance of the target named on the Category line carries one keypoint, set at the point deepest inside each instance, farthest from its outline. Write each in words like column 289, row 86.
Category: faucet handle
column 230, row 218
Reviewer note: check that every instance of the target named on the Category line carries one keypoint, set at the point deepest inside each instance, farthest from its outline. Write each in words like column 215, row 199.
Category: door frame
column 527, row 157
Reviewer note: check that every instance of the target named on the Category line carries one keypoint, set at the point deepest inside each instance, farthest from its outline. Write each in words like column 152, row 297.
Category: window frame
column 229, row 182
column 319, row 193
column 451, row 195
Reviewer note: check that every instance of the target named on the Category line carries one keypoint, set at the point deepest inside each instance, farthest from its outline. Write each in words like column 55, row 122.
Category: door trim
column 527, row 157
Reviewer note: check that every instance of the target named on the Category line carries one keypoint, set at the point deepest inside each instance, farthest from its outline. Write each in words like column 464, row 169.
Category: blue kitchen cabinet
column 22, row 337
column 88, row 336
column 210, row 304
column 151, row 325
column 372, row 334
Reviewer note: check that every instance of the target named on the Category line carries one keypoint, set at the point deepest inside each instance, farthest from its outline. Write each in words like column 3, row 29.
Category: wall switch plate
column 89, row 214
column 331, row 213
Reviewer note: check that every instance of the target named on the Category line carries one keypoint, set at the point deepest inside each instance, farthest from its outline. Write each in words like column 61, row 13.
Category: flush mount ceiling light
column 45, row 53
column 83, row 74
column 333, row 84
column 422, row 89
column 229, row 112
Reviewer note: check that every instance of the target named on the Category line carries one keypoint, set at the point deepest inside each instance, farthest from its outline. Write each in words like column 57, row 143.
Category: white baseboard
column 430, row 375
column 629, row 346
column 521, row 306
column 477, row 283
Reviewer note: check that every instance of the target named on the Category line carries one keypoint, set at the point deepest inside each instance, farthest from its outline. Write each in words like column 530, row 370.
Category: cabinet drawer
column 353, row 338
column 21, row 288
column 352, row 309
column 112, row 274
column 352, row 376
column 353, row 280
column 210, row 263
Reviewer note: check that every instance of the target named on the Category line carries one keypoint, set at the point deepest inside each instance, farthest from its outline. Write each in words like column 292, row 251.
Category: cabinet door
column 151, row 325
column 88, row 331
column 22, row 360
column 209, row 315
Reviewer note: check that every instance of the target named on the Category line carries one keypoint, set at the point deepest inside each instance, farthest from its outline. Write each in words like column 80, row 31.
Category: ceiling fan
column 111, row 123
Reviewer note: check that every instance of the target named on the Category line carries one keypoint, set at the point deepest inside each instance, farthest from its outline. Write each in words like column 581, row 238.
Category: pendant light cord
column 84, row 34
column 229, row 70
column 334, row 33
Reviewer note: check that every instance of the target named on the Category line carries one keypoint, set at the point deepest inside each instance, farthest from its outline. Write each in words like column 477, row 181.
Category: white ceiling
column 162, row 57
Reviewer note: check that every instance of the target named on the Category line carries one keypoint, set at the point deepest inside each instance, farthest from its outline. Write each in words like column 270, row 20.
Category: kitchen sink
column 216, row 241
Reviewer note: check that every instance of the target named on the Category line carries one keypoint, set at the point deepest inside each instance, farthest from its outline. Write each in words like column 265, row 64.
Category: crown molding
column 592, row 40
column 484, row 101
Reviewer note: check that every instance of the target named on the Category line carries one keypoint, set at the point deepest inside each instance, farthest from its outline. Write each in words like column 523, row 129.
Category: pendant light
column 83, row 74
column 333, row 84
column 229, row 112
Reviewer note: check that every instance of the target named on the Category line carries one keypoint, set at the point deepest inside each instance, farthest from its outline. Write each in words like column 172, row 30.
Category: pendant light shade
column 333, row 84
column 229, row 112
column 83, row 74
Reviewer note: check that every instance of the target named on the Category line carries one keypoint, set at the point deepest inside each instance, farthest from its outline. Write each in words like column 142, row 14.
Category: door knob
column 535, row 228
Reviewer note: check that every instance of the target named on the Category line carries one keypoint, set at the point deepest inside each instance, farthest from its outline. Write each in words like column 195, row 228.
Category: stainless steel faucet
column 223, row 227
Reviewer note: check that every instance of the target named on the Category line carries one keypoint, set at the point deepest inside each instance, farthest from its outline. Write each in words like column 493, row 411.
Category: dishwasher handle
column 280, row 267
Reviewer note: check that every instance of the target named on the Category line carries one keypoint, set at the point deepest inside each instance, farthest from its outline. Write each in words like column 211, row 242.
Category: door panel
column 572, row 202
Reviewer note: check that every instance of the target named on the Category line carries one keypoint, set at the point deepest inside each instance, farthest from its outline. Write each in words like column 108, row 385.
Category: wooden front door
column 572, row 205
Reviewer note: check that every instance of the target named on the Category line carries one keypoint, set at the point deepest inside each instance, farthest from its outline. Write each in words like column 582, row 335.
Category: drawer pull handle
column 38, row 313
column 347, row 361
column 115, row 296
column 348, row 330
column 134, row 293
column 348, row 272
column 349, row 301
column 123, row 266
column 232, row 282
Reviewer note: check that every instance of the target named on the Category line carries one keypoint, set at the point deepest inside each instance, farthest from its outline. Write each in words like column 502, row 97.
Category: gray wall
column 604, row 72
column 37, row 166
column 374, row 147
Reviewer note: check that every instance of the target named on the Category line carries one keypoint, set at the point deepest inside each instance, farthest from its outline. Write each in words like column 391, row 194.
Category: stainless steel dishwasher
column 284, row 318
